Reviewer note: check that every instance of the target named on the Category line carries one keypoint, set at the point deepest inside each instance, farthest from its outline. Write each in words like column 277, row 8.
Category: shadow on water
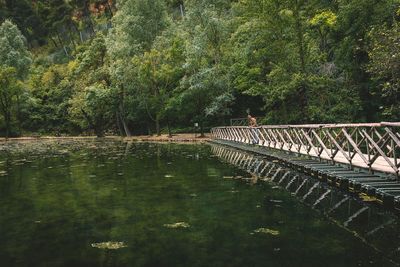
column 115, row 203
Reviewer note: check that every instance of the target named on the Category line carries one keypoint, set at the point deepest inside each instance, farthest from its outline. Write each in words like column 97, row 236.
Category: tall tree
column 158, row 73
column 384, row 66
column 9, row 88
column 57, row 18
column 24, row 15
column 281, row 52
column 93, row 99
column 355, row 18
column 13, row 49
column 135, row 27
column 204, row 88
column 14, row 55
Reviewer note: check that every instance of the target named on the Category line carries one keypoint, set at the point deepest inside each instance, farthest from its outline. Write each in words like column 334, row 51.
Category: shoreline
column 179, row 138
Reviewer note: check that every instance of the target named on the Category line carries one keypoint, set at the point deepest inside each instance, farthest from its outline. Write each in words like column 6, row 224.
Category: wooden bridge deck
column 380, row 163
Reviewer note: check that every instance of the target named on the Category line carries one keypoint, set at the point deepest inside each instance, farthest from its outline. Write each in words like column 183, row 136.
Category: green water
column 57, row 199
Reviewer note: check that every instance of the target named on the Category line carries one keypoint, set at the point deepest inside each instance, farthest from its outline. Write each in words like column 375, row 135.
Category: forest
column 127, row 67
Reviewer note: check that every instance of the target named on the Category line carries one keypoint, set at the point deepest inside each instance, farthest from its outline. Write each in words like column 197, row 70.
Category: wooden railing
column 375, row 146
column 242, row 121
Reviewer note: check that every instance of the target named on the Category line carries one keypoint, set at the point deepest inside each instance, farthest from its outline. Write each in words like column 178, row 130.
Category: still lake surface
column 161, row 205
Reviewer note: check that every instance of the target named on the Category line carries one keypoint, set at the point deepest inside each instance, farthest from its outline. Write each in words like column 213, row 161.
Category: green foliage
column 9, row 90
column 93, row 102
column 170, row 63
column 204, row 90
column 355, row 19
column 157, row 73
column 14, row 65
column 325, row 19
column 384, row 66
column 136, row 26
column 48, row 102
column 23, row 14
column 13, row 50
column 92, row 62
column 92, row 108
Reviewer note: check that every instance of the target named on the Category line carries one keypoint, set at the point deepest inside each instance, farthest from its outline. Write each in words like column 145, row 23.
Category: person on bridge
column 254, row 130
column 252, row 121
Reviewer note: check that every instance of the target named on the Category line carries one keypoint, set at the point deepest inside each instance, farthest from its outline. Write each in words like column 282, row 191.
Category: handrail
column 241, row 121
column 375, row 146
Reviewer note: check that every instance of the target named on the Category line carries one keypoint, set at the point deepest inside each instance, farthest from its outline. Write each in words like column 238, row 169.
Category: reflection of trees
column 82, row 200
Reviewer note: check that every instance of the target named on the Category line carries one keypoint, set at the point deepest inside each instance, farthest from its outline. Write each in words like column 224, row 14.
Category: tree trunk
column 86, row 15
column 121, row 132
column 91, row 26
column 169, row 128
column 19, row 116
column 7, row 129
column 7, row 118
column 90, row 121
column 158, row 126
column 60, row 40
column 110, row 9
column 81, row 36
column 201, row 129
column 182, row 12
column 302, row 60
column 71, row 37
column 99, row 132
column 303, row 102
column 66, row 51
column 126, row 128
column 300, row 38
column 62, row 44
column 54, row 42
column 77, row 31
column 122, row 112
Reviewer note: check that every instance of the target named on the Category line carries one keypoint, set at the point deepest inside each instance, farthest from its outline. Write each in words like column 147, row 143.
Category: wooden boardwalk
column 359, row 158
column 374, row 146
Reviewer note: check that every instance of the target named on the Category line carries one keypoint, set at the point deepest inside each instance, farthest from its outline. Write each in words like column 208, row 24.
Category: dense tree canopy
column 148, row 66
column 13, row 51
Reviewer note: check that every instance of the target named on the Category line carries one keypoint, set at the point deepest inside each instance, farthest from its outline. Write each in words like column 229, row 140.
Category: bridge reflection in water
column 372, row 223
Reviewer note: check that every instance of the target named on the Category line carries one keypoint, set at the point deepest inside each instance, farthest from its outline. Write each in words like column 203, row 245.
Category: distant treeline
column 147, row 66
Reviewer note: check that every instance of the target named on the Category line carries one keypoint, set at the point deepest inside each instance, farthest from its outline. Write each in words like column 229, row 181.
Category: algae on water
column 109, row 245
column 177, row 225
column 266, row 231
